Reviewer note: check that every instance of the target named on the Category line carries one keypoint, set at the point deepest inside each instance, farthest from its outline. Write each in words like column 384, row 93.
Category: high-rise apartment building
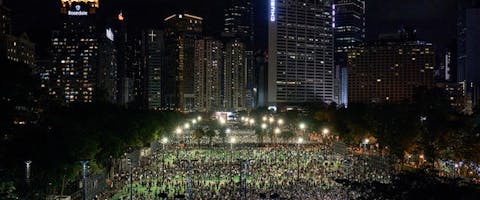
column 208, row 74
column 301, row 51
column 389, row 71
column 234, row 76
column 75, row 51
column 349, row 26
column 239, row 24
column 181, row 31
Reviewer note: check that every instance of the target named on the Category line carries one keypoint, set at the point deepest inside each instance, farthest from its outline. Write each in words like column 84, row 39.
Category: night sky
column 434, row 19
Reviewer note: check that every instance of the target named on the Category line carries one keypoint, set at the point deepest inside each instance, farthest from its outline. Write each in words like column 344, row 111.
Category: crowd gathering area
column 298, row 170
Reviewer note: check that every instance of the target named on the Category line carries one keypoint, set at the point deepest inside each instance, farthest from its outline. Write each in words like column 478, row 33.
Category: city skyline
column 239, row 99
column 434, row 20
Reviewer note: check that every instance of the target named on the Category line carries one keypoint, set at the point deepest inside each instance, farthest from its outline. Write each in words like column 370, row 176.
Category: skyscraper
column 468, row 50
column 349, row 26
column 234, row 76
column 239, row 25
column 124, row 46
column 180, row 34
column 75, row 51
column 239, row 21
column 106, row 84
column 153, row 56
column 208, row 74
column 389, row 71
column 300, row 51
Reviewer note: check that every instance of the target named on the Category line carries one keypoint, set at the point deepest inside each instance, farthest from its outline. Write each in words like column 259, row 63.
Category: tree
column 210, row 134
column 287, row 135
column 198, row 134
column 260, row 135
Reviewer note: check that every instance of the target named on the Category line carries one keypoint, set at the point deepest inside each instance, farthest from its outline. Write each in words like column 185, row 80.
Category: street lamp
column 228, row 131
column 365, row 142
column 325, row 131
column 277, row 131
column 178, row 131
column 302, row 126
column 280, row 122
column 28, row 165
column 199, row 118
column 264, row 118
column 251, row 121
column 264, row 126
column 271, row 120
column 164, row 141
column 186, row 126
column 232, row 141
column 222, row 121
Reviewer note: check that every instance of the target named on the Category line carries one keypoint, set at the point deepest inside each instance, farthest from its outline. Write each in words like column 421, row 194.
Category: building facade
column 180, row 34
column 107, row 76
column 234, row 76
column 75, row 51
column 17, row 49
column 239, row 24
column 153, row 56
column 349, row 27
column 468, row 49
column 389, row 71
column 301, row 52
column 208, row 74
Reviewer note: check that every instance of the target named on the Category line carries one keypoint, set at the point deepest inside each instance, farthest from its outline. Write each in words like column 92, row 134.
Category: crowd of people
column 289, row 171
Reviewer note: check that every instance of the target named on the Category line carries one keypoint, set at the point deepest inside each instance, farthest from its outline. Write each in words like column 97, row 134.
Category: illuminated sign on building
column 77, row 11
column 333, row 16
column 272, row 10
column 109, row 34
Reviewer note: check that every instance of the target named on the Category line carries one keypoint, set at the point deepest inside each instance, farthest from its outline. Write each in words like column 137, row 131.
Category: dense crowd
column 277, row 172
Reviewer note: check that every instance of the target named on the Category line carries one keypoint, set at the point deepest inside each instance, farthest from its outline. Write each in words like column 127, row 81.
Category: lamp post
column 365, row 142
column 302, row 127
column 28, row 164
column 178, row 132
column 232, row 141
column 84, row 176
column 280, row 122
column 299, row 142
column 131, row 178
column 164, row 141
column 251, row 122
column 187, row 170
column 277, row 132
